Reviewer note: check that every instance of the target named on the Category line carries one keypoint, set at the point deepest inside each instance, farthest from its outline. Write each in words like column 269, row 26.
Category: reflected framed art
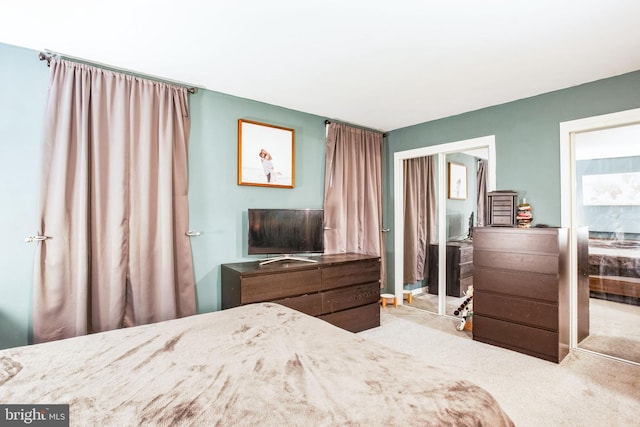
column 457, row 181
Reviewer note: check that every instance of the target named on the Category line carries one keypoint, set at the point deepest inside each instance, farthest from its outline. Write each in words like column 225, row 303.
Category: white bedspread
column 261, row 364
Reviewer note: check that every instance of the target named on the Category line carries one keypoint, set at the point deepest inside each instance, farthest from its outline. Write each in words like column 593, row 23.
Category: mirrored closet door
column 436, row 209
column 607, row 201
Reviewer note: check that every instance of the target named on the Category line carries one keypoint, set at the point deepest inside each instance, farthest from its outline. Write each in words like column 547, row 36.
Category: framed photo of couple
column 265, row 155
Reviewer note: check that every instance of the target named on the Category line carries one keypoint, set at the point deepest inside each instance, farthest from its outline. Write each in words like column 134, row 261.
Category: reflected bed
column 614, row 268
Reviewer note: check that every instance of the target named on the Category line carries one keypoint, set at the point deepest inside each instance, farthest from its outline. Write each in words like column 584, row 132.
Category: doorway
column 601, row 190
column 443, row 155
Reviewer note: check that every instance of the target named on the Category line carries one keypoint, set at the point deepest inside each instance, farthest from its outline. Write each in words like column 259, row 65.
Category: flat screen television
column 285, row 232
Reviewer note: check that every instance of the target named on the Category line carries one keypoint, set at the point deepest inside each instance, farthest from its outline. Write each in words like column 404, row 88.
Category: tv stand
column 343, row 289
column 285, row 257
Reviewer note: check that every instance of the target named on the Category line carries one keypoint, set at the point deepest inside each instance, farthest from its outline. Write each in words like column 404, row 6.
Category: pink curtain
column 114, row 202
column 482, row 191
column 420, row 213
column 353, row 192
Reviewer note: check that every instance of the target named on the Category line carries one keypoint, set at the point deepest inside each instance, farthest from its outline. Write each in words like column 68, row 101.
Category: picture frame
column 457, row 181
column 265, row 154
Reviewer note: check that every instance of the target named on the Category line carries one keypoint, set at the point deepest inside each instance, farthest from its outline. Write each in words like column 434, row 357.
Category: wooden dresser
column 459, row 268
column 343, row 289
column 521, row 290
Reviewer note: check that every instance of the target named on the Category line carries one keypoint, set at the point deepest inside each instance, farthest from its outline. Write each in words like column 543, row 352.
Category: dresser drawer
column 518, row 240
column 518, row 310
column 516, row 283
column 525, row 339
column 504, row 210
column 349, row 274
column 351, row 296
column 502, row 201
column 309, row 304
column 466, row 254
column 355, row 319
column 498, row 219
column 280, row 285
column 466, row 270
column 534, row 263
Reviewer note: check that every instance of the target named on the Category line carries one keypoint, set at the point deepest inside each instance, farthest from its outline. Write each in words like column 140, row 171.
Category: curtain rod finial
column 44, row 57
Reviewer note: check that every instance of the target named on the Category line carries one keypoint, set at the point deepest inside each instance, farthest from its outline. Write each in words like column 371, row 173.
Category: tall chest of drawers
column 521, row 290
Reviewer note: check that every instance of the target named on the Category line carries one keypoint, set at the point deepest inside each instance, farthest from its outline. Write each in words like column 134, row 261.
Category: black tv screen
column 285, row 231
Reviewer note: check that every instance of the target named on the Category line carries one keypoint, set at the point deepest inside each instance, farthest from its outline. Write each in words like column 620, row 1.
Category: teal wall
column 527, row 145
column 527, row 136
column 217, row 205
column 23, row 93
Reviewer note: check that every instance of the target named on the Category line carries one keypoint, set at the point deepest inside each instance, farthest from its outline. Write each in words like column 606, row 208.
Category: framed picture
column 265, row 155
column 457, row 181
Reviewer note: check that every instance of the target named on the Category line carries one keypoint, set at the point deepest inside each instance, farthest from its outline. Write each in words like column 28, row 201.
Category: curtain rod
column 47, row 57
column 327, row 121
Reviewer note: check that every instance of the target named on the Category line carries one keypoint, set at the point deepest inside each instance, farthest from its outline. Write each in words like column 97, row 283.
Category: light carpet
column 583, row 390
column 614, row 329
column 429, row 302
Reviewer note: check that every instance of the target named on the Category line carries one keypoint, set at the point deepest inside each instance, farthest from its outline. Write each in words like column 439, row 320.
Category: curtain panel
column 482, row 191
column 353, row 192
column 114, row 201
column 420, row 213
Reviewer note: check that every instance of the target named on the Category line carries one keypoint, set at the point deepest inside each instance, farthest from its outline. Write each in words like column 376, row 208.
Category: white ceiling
column 374, row 63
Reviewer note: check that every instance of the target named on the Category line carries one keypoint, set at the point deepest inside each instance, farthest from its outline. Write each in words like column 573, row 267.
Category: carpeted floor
column 614, row 329
column 583, row 390
column 429, row 302
column 613, row 326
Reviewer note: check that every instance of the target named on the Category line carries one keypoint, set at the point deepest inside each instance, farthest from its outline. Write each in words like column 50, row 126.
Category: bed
column 260, row 364
column 614, row 268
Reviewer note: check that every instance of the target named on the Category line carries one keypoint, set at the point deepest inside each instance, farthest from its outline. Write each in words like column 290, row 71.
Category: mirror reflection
column 607, row 165
column 464, row 211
